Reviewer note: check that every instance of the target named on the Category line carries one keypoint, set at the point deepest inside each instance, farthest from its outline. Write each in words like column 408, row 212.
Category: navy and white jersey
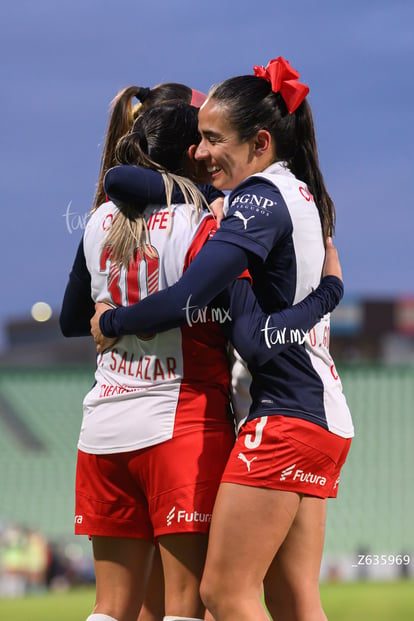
column 273, row 216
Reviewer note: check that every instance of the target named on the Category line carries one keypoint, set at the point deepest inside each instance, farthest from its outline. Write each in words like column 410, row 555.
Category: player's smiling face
column 228, row 160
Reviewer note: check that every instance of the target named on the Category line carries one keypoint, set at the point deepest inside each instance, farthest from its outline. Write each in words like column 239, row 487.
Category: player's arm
column 136, row 186
column 220, row 262
column 259, row 336
column 211, row 271
column 77, row 306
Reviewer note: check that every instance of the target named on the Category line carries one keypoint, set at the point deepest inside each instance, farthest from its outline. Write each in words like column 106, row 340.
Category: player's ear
column 191, row 152
column 262, row 142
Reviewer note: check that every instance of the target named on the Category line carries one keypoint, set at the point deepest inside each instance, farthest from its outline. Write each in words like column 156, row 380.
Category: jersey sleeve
column 209, row 192
column 214, row 267
column 134, row 185
column 256, row 217
column 77, row 306
column 258, row 336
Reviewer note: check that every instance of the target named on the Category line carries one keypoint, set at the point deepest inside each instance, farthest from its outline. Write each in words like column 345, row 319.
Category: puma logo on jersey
column 241, row 217
column 246, row 461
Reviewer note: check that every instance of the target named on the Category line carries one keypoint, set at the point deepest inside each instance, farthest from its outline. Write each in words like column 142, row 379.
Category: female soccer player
column 154, row 398
column 123, row 113
column 268, row 524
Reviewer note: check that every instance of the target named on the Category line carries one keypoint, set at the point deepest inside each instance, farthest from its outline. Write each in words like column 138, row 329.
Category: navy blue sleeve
column 258, row 336
column 133, row 185
column 257, row 218
column 77, row 306
column 209, row 192
column 209, row 273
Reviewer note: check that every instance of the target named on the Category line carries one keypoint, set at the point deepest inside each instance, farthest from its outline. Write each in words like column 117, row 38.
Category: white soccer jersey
column 135, row 401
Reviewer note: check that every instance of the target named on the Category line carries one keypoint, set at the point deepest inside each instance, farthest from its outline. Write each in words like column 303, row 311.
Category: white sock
column 179, row 619
column 98, row 616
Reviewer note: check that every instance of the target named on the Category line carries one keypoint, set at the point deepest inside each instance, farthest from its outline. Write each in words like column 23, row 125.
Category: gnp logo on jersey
column 252, row 202
column 182, row 515
column 304, row 477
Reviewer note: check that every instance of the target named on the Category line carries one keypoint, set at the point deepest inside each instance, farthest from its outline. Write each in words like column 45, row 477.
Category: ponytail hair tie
column 143, row 93
column 197, row 98
column 284, row 80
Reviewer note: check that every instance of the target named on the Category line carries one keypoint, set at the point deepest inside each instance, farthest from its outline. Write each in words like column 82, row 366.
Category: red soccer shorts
column 291, row 454
column 163, row 489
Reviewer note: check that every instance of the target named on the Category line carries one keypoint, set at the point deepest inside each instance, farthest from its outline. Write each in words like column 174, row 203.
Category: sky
column 63, row 62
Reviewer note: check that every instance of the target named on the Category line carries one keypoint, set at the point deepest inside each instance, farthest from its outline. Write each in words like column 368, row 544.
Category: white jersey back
column 134, row 401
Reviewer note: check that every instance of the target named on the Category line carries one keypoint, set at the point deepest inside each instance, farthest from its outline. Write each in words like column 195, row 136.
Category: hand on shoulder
column 331, row 266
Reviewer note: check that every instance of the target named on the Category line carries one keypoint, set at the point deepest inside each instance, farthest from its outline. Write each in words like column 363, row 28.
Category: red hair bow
column 284, row 80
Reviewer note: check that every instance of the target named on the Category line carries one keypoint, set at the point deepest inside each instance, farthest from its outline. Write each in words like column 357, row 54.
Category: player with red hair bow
column 268, row 524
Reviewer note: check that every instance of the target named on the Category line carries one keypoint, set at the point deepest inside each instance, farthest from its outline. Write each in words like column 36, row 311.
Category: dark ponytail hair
column 251, row 105
column 159, row 139
column 166, row 92
column 122, row 116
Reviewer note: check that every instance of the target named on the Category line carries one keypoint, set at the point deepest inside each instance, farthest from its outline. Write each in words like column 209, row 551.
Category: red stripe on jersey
column 204, row 349
column 204, row 233
column 206, row 230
